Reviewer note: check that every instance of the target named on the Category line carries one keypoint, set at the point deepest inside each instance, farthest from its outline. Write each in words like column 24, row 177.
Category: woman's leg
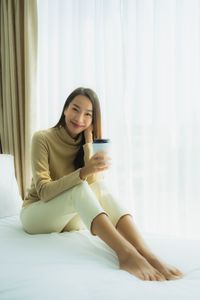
column 63, row 212
column 122, row 220
column 97, row 221
column 137, row 264
column 127, row 228
column 129, row 258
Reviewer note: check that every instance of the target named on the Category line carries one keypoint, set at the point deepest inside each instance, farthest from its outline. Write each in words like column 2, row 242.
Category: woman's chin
column 76, row 133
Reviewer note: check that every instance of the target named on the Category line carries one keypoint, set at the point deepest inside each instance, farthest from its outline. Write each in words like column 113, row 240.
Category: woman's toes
column 141, row 276
column 170, row 276
column 147, row 277
column 160, row 277
column 151, row 277
column 175, row 272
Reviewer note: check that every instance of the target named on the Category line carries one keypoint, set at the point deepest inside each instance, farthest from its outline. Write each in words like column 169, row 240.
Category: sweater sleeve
column 46, row 187
column 88, row 153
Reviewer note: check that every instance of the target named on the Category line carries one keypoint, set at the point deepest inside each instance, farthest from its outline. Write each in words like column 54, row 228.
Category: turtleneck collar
column 65, row 137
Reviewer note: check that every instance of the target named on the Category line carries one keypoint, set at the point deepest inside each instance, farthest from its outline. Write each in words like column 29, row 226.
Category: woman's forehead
column 82, row 101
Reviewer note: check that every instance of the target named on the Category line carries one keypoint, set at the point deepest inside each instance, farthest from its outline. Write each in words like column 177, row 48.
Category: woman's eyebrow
column 76, row 105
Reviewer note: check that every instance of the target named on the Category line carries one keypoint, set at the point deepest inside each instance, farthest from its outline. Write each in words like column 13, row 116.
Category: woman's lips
column 77, row 125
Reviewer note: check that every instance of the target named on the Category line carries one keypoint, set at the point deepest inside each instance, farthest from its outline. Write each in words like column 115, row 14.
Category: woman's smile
column 77, row 125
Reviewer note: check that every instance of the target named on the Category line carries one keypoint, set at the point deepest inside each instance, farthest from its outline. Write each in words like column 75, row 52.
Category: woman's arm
column 46, row 187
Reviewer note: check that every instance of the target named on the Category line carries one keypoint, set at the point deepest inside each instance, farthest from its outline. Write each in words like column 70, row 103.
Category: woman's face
column 78, row 115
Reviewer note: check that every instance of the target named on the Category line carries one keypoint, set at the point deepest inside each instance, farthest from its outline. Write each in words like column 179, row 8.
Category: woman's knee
column 81, row 190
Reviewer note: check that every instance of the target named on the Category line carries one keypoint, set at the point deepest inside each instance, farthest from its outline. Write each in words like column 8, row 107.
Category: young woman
column 67, row 192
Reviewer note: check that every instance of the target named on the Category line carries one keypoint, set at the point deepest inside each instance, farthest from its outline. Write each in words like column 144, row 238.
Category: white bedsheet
column 76, row 265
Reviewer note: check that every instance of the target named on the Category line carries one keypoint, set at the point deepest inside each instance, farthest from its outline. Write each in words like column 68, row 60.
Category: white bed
column 76, row 265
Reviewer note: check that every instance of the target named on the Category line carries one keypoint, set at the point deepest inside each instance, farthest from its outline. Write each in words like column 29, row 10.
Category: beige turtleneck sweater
column 52, row 155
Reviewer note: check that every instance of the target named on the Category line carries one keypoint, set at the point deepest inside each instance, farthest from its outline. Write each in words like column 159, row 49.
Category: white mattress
column 76, row 265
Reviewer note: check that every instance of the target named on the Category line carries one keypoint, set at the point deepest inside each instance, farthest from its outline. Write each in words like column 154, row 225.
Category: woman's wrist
column 88, row 135
column 82, row 174
column 88, row 139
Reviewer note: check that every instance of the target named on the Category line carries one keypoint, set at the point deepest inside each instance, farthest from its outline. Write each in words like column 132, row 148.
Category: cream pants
column 72, row 209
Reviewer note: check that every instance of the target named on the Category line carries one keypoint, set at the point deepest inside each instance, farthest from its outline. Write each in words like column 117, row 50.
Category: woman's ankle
column 126, row 252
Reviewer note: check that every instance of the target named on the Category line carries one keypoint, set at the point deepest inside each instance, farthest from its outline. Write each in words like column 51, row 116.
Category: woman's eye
column 75, row 109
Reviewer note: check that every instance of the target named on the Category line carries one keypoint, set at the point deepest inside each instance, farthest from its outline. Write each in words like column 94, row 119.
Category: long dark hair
column 96, row 119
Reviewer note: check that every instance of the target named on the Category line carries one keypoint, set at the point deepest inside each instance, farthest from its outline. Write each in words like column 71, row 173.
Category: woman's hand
column 88, row 134
column 97, row 163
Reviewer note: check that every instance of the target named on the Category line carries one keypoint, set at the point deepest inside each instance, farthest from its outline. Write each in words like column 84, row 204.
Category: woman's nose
column 79, row 118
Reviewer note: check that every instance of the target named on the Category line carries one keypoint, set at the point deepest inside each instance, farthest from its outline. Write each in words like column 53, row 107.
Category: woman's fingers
column 104, row 161
column 102, row 156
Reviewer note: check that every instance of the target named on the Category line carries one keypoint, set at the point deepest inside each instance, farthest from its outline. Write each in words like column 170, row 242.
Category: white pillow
column 10, row 200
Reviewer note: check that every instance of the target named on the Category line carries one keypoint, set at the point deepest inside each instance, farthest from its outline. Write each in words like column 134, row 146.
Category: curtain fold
column 18, row 60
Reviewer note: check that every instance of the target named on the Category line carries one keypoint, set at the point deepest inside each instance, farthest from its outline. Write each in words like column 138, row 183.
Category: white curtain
column 142, row 59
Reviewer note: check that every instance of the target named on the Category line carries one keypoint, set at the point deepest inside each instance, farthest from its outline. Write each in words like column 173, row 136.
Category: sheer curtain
column 142, row 59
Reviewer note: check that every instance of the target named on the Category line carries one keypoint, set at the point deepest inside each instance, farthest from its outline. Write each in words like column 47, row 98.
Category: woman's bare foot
column 137, row 265
column 169, row 272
